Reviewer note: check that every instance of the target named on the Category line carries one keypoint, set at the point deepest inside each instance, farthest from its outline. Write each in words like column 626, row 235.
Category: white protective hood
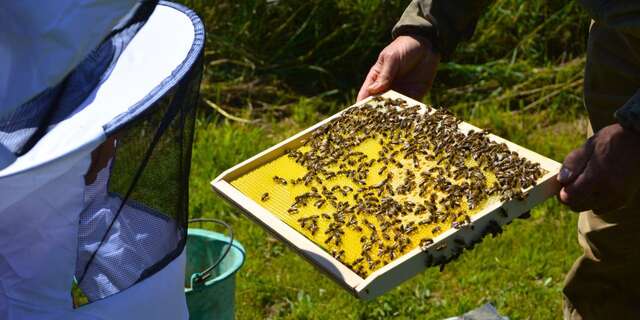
column 42, row 192
column 42, row 41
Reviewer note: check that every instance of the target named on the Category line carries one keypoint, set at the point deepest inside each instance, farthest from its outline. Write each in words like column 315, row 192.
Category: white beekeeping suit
column 44, row 193
column 42, row 41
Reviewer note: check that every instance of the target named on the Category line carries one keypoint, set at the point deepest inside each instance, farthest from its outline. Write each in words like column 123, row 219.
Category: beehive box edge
column 411, row 263
column 322, row 260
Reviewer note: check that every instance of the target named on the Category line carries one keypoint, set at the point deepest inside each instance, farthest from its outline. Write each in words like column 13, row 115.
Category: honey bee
column 279, row 180
column 448, row 188
column 425, row 242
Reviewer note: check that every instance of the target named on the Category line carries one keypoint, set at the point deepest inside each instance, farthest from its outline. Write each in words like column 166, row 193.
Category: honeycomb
column 385, row 178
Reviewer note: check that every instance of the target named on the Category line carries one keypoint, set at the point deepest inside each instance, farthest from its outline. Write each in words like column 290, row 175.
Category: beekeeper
column 600, row 179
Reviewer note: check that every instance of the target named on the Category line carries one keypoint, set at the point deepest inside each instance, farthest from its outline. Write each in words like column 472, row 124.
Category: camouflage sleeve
column 444, row 22
column 629, row 115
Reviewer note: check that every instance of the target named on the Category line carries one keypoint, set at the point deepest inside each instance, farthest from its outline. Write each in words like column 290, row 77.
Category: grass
column 286, row 64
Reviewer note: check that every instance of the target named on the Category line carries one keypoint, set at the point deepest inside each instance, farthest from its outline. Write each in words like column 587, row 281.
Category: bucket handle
column 201, row 277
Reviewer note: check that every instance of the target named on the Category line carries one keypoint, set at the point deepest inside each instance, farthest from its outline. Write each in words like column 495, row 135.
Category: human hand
column 407, row 65
column 603, row 174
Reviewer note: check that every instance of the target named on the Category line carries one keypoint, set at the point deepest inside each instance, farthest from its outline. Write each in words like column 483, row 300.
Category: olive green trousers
column 604, row 282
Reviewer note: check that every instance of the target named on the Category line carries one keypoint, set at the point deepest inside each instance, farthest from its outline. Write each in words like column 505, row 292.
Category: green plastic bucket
column 211, row 294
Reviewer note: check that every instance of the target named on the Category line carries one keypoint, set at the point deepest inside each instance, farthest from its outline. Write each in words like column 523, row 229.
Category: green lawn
column 288, row 64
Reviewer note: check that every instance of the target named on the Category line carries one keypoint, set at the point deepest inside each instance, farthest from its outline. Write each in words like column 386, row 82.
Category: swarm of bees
column 423, row 177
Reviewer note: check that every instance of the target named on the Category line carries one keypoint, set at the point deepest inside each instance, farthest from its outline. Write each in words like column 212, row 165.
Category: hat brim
column 156, row 59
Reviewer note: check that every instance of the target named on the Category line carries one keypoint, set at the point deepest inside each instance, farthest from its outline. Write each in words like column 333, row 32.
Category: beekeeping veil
column 96, row 130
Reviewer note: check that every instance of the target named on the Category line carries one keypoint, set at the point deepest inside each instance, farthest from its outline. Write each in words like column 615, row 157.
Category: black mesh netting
column 136, row 220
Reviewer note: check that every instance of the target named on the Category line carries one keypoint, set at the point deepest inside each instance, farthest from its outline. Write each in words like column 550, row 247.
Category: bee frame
column 445, row 246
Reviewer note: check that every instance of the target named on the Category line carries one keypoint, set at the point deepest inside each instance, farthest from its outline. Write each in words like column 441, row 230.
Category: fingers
column 387, row 65
column 575, row 163
column 364, row 90
column 580, row 194
column 407, row 65
column 577, row 179
column 380, row 76
column 592, row 190
column 600, row 176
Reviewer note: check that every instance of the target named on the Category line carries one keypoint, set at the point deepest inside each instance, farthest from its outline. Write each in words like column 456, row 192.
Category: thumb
column 388, row 66
column 575, row 163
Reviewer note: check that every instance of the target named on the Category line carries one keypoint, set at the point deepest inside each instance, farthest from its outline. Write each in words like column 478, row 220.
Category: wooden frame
column 411, row 263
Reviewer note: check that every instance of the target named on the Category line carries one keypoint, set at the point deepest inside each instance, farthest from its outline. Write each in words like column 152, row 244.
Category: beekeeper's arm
column 427, row 31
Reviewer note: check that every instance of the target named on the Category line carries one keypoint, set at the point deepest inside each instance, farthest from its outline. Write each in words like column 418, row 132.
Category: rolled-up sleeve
column 444, row 22
column 629, row 115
